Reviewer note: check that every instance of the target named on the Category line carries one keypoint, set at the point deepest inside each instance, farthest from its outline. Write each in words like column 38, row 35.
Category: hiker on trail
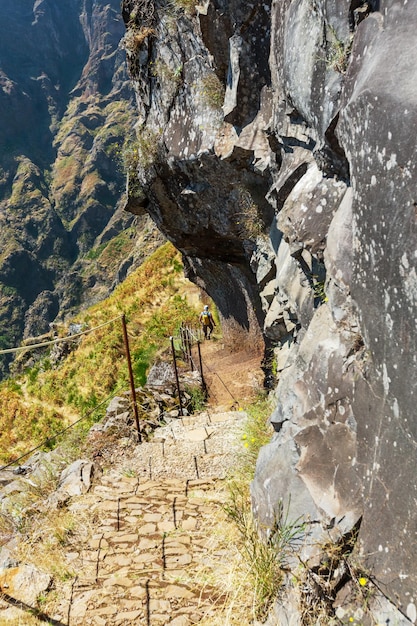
column 207, row 322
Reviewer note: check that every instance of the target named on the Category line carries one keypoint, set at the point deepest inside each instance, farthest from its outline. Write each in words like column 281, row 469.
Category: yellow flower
column 350, row 619
column 246, row 445
column 363, row 581
column 244, row 436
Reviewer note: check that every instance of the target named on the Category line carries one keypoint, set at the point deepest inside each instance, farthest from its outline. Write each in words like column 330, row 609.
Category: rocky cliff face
column 65, row 110
column 276, row 150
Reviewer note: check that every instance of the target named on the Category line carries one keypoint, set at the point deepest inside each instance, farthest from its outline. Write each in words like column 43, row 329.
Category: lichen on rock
column 292, row 202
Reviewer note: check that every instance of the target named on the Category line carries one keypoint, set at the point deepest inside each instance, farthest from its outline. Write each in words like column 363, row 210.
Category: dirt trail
column 231, row 377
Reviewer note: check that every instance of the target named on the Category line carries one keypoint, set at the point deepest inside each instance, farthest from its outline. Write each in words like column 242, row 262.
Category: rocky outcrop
column 275, row 150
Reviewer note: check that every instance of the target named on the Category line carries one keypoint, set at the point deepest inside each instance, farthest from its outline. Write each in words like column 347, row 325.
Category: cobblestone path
column 153, row 545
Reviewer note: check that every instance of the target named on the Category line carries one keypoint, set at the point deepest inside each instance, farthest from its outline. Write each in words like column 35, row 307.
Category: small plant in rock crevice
column 338, row 51
column 339, row 568
column 135, row 37
column 211, row 90
column 319, row 290
column 247, row 218
column 198, row 399
column 164, row 72
column 264, row 549
column 188, row 6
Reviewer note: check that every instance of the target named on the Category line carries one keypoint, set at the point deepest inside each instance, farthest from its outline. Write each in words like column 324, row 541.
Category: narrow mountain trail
column 159, row 548
column 156, row 531
column 231, row 377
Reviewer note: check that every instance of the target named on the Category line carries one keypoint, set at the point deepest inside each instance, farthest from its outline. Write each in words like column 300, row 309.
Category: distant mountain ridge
column 65, row 110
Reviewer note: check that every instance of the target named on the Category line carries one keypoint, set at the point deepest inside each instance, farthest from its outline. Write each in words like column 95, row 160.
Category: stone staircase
column 150, row 557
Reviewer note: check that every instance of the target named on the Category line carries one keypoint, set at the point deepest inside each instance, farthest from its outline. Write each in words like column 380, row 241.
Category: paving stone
column 168, row 552
column 146, row 486
column 199, row 434
column 107, row 505
column 137, row 592
column 176, row 591
column 150, row 543
column 133, row 520
column 181, row 620
column 159, row 606
column 123, row 538
column 147, row 529
column 146, row 557
column 118, row 560
column 178, row 560
column 127, row 616
column 107, row 610
column 152, row 517
column 131, row 605
column 147, row 539
column 189, row 524
column 115, row 581
column 167, row 526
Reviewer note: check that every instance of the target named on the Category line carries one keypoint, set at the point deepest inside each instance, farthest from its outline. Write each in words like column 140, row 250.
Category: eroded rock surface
column 283, row 168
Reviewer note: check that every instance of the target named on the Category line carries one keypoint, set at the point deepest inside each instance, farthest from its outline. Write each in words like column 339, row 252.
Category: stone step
column 154, row 516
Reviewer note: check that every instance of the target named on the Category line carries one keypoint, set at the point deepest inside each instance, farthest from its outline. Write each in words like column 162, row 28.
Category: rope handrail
column 60, row 339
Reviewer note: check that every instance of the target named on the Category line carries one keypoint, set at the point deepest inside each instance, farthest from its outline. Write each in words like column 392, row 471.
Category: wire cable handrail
column 61, row 432
column 59, row 340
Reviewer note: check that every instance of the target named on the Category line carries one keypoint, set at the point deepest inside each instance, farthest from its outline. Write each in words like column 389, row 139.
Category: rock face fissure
column 276, row 152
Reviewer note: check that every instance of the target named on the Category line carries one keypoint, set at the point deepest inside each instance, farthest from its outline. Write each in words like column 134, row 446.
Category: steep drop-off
column 65, row 111
column 275, row 148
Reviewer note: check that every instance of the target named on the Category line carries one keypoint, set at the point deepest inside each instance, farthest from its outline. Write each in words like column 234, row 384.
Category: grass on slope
column 44, row 400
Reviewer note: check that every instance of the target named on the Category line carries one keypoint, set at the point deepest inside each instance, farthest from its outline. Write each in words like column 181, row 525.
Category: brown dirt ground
column 232, row 378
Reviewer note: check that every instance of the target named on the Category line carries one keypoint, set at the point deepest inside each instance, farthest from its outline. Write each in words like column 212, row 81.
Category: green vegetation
column 49, row 398
column 319, row 289
column 248, row 221
column 188, row 6
column 198, row 399
column 135, row 36
column 338, row 51
column 264, row 550
column 110, row 252
column 164, row 72
column 212, row 91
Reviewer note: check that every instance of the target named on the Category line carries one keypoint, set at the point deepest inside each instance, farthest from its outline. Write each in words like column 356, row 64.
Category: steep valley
column 272, row 144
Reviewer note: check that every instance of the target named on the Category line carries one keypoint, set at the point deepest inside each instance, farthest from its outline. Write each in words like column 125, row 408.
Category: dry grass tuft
column 135, row 37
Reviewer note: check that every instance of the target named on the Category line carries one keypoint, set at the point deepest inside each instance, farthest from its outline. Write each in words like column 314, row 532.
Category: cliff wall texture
column 276, row 149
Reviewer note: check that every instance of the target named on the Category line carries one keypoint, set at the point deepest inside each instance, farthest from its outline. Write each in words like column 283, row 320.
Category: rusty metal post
column 174, row 358
column 132, row 382
column 183, row 346
column 189, row 348
column 203, row 382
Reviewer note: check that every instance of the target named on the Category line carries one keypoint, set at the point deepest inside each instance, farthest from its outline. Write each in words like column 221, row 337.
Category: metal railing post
column 132, row 382
column 203, row 382
column 174, row 358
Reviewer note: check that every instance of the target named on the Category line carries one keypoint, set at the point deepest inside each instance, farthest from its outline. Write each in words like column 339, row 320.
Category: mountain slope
column 65, row 111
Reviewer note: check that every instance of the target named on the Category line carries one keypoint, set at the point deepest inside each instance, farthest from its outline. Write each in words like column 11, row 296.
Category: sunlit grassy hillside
column 45, row 399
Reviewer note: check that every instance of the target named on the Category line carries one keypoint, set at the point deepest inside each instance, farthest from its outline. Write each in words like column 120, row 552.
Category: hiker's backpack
column 206, row 318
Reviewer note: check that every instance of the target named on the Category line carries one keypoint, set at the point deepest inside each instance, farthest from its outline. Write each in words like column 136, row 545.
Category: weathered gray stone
column 74, row 481
column 318, row 138
column 24, row 583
